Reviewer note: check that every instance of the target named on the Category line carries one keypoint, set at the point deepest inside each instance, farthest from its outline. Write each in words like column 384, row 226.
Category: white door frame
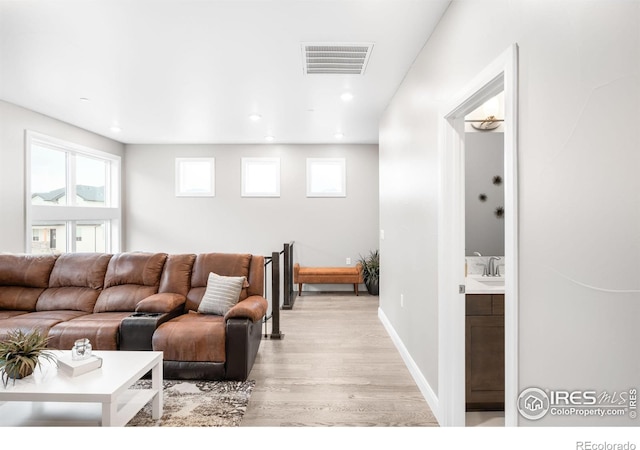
column 501, row 74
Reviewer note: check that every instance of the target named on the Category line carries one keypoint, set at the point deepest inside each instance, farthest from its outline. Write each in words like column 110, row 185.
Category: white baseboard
column 425, row 389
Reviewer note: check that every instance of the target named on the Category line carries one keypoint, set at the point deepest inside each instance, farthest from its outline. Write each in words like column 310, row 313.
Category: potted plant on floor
column 371, row 271
column 20, row 354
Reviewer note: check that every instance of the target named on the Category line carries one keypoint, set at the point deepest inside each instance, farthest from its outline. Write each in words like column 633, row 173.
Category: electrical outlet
column 381, row 234
column 402, row 300
column 348, row 261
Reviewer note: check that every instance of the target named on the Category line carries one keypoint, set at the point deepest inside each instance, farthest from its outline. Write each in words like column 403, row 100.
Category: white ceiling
column 192, row 71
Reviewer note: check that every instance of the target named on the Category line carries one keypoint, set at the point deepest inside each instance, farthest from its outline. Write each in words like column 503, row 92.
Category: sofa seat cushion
column 192, row 337
column 40, row 320
column 7, row 314
column 102, row 330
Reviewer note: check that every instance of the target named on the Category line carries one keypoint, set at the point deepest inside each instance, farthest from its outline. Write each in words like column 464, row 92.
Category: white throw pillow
column 221, row 295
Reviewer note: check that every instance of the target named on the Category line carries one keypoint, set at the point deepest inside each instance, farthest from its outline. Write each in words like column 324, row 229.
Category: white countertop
column 477, row 284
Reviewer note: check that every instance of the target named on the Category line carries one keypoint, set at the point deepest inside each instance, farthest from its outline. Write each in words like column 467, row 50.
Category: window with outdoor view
column 73, row 197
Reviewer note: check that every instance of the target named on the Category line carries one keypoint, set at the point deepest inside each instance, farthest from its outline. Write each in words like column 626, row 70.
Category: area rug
column 197, row 404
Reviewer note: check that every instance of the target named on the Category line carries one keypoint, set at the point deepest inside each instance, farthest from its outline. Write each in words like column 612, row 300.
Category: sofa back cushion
column 26, row 270
column 22, row 279
column 130, row 278
column 225, row 264
column 176, row 276
column 75, row 283
column 256, row 276
column 80, row 270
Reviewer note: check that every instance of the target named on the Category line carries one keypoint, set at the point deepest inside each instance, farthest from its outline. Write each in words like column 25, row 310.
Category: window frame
column 266, row 161
column 341, row 163
column 208, row 191
column 71, row 214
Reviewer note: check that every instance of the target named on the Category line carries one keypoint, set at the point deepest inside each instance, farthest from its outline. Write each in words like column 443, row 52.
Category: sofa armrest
column 161, row 303
column 253, row 308
column 243, row 337
column 136, row 331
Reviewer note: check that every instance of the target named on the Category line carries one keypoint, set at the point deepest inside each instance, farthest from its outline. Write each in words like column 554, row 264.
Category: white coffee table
column 49, row 397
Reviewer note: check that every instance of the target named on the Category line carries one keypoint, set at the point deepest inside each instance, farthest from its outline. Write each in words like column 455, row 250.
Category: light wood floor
column 336, row 366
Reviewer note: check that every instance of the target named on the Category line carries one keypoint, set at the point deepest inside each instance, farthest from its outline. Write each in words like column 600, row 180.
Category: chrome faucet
column 486, row 271
column 492, row 270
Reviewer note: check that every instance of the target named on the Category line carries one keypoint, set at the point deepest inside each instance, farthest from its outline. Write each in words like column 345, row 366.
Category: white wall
column 579, row 191
column 325, row 230
column 14, row 121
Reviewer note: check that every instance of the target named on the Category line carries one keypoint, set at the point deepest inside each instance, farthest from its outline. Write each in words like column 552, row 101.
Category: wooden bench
column 327, row 275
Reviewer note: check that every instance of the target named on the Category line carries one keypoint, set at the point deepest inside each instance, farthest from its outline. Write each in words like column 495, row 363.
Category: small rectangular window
column 195, row 177
column 260, row 177
column 326, row 177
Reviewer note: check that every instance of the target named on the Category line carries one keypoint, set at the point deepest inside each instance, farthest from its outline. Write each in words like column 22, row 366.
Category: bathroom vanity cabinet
column 484, row 352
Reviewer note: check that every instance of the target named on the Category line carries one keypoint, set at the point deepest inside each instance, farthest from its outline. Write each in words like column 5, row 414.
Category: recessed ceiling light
column 255, row 117
column 346, row 97
column 338, row 135
column 115, row 129
column 269, row 138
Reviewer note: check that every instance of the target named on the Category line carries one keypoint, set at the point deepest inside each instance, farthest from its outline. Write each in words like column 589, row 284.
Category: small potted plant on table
column 20, row 354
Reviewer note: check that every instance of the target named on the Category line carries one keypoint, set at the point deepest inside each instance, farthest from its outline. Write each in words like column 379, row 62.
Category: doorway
column 484, row 263
column 500, row 75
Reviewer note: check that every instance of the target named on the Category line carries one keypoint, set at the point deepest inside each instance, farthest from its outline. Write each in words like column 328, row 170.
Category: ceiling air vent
column 342, row 59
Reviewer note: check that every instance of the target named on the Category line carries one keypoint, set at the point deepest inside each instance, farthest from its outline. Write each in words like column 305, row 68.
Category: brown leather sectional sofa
column 138, row 301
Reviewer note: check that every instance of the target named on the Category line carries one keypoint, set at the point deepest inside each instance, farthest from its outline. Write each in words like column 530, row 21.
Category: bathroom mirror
column 484, row 192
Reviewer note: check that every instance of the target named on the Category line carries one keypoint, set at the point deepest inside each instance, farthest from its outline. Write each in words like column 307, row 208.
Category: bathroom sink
column 480, row 284
column 491, row 281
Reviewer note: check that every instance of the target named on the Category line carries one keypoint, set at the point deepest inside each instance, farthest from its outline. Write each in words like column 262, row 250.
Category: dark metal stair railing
column 274, row 260
column 290, row 293
column 275, row 293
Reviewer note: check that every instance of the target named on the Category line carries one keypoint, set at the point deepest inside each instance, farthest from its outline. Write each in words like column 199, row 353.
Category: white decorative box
column 74, row 368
